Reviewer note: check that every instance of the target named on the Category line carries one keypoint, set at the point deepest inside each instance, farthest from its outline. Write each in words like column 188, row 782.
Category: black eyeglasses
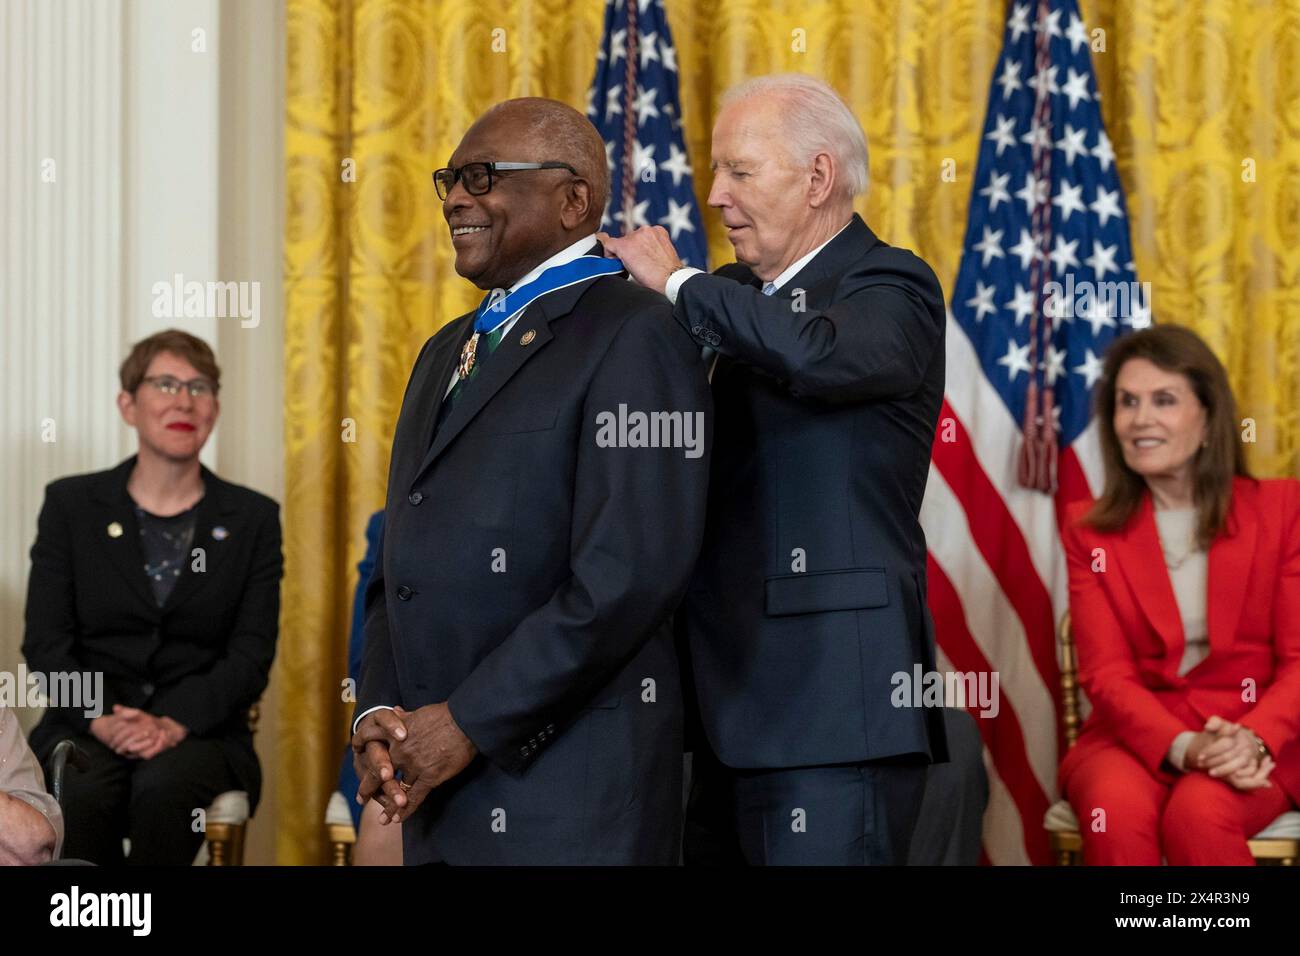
column 477, row 177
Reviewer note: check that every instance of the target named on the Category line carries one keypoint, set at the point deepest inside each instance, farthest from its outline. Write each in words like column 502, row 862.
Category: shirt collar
column 567, row 254
column 797, row 266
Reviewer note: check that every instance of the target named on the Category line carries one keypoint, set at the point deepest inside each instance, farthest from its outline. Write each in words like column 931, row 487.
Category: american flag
column 1016, row 442
column 633, row 103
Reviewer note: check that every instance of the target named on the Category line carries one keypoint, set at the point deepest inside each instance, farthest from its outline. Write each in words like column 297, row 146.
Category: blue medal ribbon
column 497, row 309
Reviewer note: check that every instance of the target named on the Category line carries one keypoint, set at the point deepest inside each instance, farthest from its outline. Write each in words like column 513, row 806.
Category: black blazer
column 810, row 591
column 202, row 658
column 558, row 663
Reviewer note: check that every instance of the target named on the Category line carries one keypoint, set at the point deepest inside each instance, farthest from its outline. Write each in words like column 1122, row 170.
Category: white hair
column 818, row 121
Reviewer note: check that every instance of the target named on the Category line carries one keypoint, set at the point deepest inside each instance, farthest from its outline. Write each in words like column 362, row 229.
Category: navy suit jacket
column 810, row 590
column 528, row 574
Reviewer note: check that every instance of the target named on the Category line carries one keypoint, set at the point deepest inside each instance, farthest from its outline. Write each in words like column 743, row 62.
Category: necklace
column 1176, row 558
column 1174, row 562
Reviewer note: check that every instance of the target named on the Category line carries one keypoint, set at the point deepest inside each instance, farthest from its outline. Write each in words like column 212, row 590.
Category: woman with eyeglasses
column 152, row 612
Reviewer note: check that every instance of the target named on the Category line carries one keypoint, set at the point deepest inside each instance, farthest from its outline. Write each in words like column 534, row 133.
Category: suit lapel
column 849, row 245
column 1142, row 563
column 118, row 532
column 507, row 359
column 1230, row 558
column 433, row 386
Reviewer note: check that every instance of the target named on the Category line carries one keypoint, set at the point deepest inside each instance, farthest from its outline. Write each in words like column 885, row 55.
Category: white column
column 61, row 321
column 111, row 156
column 134, row 148
column 171, row 155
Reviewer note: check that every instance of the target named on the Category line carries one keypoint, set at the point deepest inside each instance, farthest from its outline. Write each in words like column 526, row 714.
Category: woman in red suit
column 1185, row 606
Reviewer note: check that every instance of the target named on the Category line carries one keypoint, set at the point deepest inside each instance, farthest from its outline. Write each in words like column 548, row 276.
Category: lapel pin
column 220, row 533
column 114, row 530
column 528, row 337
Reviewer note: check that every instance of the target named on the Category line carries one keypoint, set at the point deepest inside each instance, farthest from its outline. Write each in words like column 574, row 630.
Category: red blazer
column 1129, row 634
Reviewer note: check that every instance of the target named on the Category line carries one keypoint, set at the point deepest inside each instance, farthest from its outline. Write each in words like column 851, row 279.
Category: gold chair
column 1277, row 844
column 339, row 831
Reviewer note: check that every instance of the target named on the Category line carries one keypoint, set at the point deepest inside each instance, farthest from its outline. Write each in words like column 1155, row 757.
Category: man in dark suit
column 809, row 596
column 534, row 547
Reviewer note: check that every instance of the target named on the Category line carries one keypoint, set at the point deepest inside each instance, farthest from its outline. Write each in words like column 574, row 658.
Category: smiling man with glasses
column 519, row 671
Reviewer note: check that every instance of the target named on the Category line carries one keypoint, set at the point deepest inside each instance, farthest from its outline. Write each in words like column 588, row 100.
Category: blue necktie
column 769, row 289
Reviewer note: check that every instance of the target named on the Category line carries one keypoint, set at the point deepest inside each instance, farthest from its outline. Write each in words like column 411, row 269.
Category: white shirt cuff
column 1178, row 749
column 370, row 711
column 675, row 281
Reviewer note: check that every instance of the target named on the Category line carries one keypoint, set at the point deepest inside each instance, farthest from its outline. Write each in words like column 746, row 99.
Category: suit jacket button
column 550, row 728
column 697, row 329
column 148, row 690
column 404, row 593
column 415, row 497
column 523, row 751
column 714, row 338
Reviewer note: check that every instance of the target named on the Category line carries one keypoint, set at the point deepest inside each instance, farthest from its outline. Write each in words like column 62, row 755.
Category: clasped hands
column 1229, row 751
column 130, row 732
column 425, row 745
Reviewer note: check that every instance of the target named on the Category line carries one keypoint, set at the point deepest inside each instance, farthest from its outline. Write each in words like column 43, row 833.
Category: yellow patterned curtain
column 1201, row 99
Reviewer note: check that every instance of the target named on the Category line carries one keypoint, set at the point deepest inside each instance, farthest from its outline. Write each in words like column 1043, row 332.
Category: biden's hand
column 647, row 254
